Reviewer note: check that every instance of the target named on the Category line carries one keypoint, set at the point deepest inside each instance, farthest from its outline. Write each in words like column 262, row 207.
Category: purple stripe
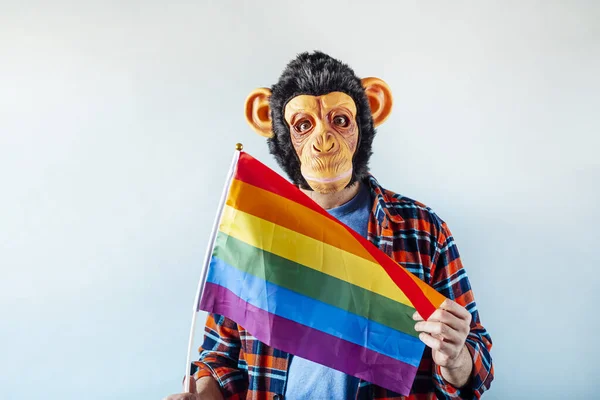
column 312, row 344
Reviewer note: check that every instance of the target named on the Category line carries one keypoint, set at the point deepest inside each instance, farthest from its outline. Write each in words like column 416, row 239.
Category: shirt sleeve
column 450, row 279
column 219, row 356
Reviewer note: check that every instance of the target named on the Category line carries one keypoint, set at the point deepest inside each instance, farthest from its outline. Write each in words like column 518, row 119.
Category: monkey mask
column 319, row 120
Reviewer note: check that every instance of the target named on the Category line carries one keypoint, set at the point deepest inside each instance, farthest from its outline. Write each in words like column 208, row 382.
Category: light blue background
column 118, row 121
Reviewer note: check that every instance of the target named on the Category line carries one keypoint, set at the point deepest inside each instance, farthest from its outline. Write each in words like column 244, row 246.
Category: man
column 320, row 122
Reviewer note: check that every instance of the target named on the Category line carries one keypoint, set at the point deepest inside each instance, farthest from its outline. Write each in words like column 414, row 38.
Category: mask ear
column 380, row 99
column 258, row 112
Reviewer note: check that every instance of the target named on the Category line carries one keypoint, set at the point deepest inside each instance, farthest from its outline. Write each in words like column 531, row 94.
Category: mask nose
column 325, row 143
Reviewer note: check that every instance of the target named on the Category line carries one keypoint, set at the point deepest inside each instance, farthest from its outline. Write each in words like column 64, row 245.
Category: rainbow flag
column 301, row 281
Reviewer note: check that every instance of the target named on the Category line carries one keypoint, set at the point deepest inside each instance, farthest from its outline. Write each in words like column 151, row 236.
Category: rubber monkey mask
column 319, row 120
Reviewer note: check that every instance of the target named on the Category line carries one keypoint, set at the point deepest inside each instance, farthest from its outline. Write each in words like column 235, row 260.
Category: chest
column 410, row 244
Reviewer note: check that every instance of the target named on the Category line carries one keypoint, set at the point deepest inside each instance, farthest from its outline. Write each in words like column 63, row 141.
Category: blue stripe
column 316, row 314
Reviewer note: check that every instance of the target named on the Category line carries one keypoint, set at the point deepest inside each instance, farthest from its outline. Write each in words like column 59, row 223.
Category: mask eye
column 341, row 121
column 303, row 126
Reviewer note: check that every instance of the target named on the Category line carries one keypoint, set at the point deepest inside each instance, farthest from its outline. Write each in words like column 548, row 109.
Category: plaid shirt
column 413, row 235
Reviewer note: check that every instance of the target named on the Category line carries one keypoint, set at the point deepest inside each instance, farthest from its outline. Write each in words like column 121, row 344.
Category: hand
column 206, row 388
column 445, row 332
column 192, row 395
column 184, row 396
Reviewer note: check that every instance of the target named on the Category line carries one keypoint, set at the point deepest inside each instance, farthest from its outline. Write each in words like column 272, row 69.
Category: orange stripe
column 432, row 295
column 292, row 215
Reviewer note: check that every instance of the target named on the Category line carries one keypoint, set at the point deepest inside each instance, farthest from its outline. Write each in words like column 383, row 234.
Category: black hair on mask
column 317, row 74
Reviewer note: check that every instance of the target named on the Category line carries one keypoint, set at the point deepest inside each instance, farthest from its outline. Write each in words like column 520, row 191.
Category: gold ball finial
column 239, row 146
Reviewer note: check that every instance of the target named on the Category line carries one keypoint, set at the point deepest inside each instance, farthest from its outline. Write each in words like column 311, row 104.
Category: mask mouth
column 329, row 180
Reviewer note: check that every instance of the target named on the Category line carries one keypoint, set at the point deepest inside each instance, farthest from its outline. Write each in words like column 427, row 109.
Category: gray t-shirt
column 307, row 379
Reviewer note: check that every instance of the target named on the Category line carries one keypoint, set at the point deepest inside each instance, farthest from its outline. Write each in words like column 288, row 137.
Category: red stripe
column 255, row 173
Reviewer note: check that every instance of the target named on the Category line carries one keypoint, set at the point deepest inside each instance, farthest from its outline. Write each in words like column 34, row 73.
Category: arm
column 460, row 345
column 219, row 356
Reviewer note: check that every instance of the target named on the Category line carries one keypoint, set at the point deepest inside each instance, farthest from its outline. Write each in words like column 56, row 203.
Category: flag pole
column 209, row 249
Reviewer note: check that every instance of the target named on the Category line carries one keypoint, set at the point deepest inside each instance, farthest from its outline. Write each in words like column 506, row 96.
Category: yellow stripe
column 292, row 215
column 310, row 252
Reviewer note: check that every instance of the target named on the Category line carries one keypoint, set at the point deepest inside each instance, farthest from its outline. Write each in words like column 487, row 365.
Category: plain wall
column 118, row 121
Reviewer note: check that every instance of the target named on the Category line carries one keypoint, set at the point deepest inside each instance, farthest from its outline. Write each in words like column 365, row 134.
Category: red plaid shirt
column 414, row 236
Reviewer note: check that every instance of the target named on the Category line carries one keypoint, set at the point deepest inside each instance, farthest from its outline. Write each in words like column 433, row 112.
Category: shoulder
column 411, row 209
column 410, row 213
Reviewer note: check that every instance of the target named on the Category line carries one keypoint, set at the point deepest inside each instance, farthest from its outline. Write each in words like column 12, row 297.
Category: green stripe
column 315, row 284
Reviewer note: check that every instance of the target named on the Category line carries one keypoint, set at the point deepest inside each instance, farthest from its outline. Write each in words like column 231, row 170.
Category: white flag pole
column 207, row 257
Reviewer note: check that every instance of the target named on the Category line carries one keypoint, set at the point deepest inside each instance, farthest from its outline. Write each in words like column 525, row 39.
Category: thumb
column 192, row 384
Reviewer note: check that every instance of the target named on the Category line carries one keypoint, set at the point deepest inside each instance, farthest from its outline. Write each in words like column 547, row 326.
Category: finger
column 417, row 317
column 431, row 342
column 440, row 346
column 438, row 329
column 447, row 318
column 456, row 309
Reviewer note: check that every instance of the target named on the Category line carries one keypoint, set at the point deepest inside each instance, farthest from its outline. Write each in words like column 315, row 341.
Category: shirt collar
column 385, row 202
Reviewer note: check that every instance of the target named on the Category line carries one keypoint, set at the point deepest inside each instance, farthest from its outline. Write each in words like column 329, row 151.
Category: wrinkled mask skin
column 324, row 134
column 319, row 120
